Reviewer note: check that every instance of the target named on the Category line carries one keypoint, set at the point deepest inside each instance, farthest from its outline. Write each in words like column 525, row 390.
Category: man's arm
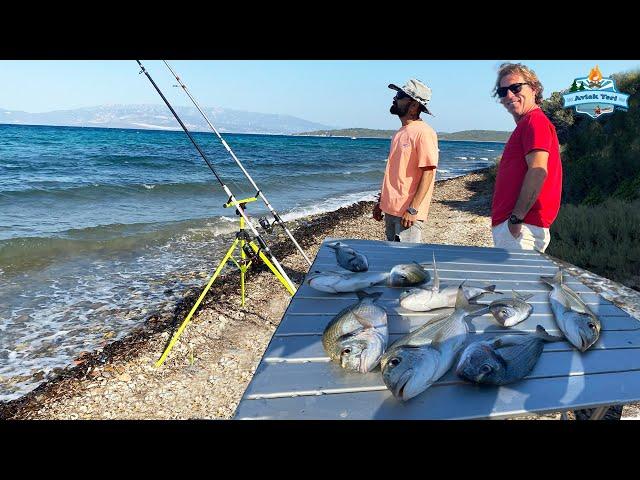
column 531, row 186
column 423, row 188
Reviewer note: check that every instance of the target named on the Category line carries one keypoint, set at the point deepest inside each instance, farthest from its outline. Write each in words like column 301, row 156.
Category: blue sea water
column 100, row 227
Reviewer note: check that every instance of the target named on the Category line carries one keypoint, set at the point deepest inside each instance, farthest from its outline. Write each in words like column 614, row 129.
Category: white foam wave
column 330, row 204
column 148, row 187
column 484, row 158
column 461, row 158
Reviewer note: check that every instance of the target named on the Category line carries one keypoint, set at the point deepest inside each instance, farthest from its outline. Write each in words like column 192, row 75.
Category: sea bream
column 578, row 323
column 342, row 282
column 504, row 359
column 348, row 258
column 511, row 311
column 416, row 361
column 424, row 299
column 358, row 335
column 407, row 274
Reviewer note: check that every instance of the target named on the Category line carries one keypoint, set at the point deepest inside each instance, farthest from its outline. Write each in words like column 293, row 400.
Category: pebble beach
column 208, row 370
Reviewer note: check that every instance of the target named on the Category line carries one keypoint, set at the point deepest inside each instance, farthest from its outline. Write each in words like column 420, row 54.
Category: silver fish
column 358, row 335
column 504, row 359
column 417, row 360
column 348, row 258
column 511, row 311
column 407, row 274
column 423, row 299
column 578, row 323
column 340, row 282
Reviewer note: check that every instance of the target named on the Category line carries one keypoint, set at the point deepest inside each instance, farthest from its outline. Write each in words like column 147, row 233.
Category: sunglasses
column 514, row 87
column 400, row 95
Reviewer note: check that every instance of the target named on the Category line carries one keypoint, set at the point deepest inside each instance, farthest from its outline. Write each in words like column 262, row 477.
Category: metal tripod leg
column 197, row 304
column 275, row 271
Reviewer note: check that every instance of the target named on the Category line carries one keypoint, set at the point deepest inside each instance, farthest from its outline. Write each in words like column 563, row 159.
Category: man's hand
column 377, row 213
column 515, row 230
column 408, row 220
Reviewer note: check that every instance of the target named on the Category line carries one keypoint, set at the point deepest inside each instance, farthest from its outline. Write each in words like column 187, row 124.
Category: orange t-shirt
column 413, row 146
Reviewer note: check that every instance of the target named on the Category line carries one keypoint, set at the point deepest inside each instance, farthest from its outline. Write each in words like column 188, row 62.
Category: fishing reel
column 266, row 226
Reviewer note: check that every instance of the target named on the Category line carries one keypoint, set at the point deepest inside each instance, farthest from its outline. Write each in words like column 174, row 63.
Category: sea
column 100, row 228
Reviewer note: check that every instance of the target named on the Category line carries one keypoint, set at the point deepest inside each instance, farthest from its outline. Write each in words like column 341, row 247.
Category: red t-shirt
column 534, row 131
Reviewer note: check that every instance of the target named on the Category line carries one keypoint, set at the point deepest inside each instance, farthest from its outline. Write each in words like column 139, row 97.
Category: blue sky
column 342, row 93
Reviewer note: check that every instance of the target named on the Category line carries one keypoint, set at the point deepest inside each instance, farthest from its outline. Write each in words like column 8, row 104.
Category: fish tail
column 521, row 296
column 542, row 333
column 553, row 281
column 463, row 304
column 362, row 294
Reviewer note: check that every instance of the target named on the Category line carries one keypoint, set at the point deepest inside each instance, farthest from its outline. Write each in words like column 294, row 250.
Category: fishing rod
column 246, row 174
column 232, row 199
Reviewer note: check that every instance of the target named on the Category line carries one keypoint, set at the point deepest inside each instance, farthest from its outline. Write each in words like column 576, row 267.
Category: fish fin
column 335, row 245
column 436, row 278
column 542, row 333
column 362, row 294
column 491, row 288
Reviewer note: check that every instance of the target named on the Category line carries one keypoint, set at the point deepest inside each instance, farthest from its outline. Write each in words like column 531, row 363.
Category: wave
column 18, row 254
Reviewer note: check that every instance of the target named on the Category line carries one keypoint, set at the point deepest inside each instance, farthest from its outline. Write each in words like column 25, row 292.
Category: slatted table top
column 296, row 380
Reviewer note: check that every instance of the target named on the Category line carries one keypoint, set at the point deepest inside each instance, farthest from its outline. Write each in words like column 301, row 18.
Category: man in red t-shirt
column 526, row 197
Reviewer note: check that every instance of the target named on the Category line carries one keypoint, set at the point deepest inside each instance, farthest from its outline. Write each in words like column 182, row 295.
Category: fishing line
column 240, row 209
column 259, row 193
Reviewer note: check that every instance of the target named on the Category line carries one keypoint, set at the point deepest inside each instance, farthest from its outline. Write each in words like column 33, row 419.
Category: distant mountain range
column 158, row 117
column 468, row 135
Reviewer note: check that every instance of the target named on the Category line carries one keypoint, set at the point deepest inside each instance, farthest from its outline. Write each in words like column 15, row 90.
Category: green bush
column 604, row 238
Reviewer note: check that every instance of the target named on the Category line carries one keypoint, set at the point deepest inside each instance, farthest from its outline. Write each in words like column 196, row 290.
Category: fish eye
column 394, row 362
column 592, row 326
column 346, row 350
column 504, row 312
column 485, row 368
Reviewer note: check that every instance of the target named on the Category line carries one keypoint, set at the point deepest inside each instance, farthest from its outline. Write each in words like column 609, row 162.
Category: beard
column 395, row 110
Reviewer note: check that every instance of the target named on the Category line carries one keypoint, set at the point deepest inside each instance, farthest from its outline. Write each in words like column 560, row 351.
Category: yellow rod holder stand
column 244, row 265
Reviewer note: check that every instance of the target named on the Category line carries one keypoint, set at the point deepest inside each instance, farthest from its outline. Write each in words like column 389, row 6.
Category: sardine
column 358, row 335
column 424, row 299
column 578, row 323
column 511, row 311
column 414, row 362
column 348, row 258
column 504, row 359
column 407, row 274
column 340, row 282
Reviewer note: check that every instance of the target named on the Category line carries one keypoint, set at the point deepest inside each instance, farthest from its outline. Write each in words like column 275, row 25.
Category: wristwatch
column 513, row 220
column 412, row 211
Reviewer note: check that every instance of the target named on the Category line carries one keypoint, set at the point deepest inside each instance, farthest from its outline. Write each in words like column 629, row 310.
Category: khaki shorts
column 531, row 237
column 397, row 233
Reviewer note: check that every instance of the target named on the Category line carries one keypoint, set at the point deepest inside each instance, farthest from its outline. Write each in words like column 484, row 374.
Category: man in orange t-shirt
column 410, row 175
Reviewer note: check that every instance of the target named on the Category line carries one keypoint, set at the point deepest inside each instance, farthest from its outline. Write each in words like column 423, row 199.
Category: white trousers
column 531, row 237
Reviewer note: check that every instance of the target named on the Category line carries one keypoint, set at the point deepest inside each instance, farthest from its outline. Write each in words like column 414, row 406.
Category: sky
column 339, row 93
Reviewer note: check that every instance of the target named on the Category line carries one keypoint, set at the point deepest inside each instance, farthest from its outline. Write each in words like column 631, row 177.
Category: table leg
column 599, row 412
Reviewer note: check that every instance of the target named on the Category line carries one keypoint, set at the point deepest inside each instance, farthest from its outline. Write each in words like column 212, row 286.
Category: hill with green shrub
column 598, row 227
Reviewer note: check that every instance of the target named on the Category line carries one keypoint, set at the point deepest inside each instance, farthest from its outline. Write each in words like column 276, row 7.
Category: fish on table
column 511, row 311
column 358, row 335
column 423, row 299
column 574, row 318
column 342, row 282
column 348, row 258
column 504, row 359
column 417, row 360
column 407, row 274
